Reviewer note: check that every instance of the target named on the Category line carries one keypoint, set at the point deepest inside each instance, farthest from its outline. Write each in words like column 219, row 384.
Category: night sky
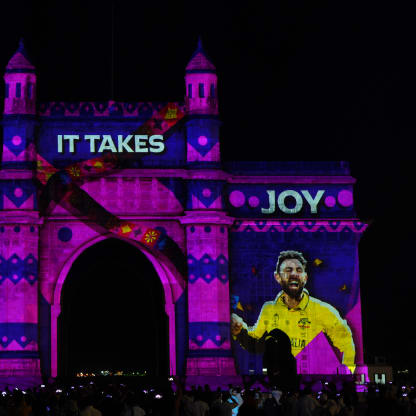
column 297, row 81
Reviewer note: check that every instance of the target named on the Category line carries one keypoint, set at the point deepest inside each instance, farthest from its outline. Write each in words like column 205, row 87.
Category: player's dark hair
column 290, row 254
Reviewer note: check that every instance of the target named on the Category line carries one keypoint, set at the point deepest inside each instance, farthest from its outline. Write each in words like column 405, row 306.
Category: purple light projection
column 180, row 206
column 345, row 198
column 237, row 199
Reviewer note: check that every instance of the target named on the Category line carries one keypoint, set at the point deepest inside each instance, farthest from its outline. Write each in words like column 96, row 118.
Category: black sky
column 298, row 80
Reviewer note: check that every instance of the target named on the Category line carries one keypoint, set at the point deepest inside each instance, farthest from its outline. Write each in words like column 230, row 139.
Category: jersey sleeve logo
column 304, row 323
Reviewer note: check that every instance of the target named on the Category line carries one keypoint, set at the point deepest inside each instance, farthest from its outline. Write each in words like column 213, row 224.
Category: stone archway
column 172, row 288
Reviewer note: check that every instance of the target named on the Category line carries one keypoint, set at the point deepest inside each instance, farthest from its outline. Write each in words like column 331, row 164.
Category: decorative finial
column 20, row 61
column 22, row 48
column 200, row 60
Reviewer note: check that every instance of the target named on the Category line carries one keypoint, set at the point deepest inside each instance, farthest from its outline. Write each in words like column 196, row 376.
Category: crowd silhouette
column 171, row 398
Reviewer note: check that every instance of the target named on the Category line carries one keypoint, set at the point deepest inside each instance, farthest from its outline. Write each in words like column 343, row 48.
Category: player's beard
column 294, row 293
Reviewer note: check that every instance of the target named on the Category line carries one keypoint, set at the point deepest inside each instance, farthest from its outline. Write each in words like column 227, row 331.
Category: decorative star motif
column 125, row 229
column 317, row 262
column 150, row 237
column 343, row 288
column 74, row 171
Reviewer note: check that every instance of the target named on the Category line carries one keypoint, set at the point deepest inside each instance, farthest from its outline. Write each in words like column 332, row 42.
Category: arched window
column 201, row 90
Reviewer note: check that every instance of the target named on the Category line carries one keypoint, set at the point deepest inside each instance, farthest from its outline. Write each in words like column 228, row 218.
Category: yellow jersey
column 303, row 323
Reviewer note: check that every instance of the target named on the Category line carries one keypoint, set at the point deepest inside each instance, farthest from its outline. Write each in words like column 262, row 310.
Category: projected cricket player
column 295, row 312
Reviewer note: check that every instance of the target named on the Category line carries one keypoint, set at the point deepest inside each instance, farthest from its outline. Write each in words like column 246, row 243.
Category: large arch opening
column 112, row 313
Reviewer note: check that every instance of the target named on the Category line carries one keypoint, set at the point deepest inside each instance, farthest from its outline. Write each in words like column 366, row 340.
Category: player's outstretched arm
column 246, row 338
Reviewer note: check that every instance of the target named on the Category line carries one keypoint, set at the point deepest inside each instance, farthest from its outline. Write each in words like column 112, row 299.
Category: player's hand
column 236, row 324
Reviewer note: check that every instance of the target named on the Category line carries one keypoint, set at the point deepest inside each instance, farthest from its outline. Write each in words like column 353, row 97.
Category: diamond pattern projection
column 15, row 269
column 202, row 147
column 22, row 333
column 17, row 192
column 217, row 332
column 207, row 268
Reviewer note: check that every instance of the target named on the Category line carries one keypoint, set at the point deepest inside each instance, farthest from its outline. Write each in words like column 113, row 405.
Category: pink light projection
column 354, row 318
column 196, row 203
column 211, row 156
column 20, row 79
column 302, row 225
column 330, row 201
column 322, row 358
column 16, row 140
column 345, row 198
column 182, row 203
column 237, row 199
column 202, row 140
column 201, row 84
column 253, row 201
